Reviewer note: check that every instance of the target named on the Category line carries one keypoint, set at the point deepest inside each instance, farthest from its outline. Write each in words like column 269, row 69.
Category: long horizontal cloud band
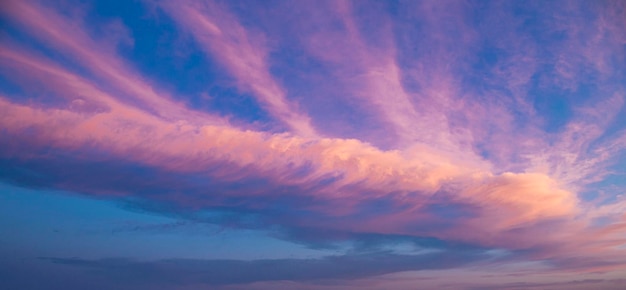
column 351, row 174
column 219, row 272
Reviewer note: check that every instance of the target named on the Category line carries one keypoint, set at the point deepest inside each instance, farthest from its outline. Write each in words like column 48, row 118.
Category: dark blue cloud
column 224, row 272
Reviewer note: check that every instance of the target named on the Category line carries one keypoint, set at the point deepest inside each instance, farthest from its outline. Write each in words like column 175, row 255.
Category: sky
column 308, row 144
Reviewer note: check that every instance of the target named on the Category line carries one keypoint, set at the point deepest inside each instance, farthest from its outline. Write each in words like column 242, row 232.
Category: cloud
column 242, row 54
column 336, row 181
column 473, row 161
column 66, row 34
column 224, row 272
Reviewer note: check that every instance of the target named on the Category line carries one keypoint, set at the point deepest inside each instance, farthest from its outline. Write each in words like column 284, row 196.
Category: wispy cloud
column 67, row 35
column 243, row 54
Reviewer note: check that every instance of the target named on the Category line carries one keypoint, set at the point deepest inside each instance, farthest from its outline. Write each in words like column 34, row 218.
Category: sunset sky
column 312, row 145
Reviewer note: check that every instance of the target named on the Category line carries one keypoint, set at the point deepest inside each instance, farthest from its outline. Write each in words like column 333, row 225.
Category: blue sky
column 312, row 145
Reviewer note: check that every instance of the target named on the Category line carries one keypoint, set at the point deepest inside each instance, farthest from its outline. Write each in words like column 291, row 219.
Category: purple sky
column 312, row 144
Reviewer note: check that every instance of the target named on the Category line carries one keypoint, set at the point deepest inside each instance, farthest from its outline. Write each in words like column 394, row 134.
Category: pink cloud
column 98, row 56
column 363, row 172
column 524, row 196
column 242, row 54
column 514, row 199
